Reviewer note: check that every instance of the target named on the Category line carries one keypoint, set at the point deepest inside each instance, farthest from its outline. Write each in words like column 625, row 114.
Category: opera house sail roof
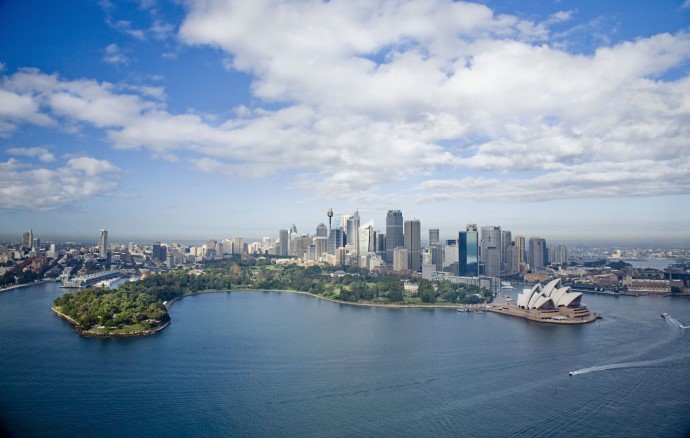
column 551, row 296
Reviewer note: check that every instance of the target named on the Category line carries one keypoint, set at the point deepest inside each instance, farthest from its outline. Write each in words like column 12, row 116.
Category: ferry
column 666, row 315
column 506, row 285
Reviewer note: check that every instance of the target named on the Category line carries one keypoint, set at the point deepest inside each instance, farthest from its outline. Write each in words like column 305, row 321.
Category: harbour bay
column 269, row 363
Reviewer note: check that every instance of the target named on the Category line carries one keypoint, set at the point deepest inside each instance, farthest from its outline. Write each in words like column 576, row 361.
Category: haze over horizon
column 211, row 119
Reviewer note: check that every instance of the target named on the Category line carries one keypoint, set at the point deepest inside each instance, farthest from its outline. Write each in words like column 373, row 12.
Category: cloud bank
column 355, row 95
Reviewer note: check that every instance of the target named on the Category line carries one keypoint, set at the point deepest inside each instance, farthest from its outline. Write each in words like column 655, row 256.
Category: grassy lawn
column 124, row 330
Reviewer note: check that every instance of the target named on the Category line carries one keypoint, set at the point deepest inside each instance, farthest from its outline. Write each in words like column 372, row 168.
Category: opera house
column 553, row 303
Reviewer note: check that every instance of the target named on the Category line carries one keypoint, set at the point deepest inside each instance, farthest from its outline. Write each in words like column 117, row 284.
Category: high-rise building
column 512, row 260
column 538, row 256
column 468, row 252
column 437, row 256
column 413, row 244
column 321, row 230
column 381, row 245
column 335, row 240
column 558, row 255
column 394, row 233
column 367, row 239
column 433, row 236
column 506, row 242
column 28, row 239
column 284, row 237
column 491, row 239
column 400, row 259
column 159, row 252
column 352, row 226
column 450, row 254
column 103, row 244
column 522, row 258
column 321, row 244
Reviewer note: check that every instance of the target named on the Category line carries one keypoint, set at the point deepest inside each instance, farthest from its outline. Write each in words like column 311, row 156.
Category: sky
column 165, row 120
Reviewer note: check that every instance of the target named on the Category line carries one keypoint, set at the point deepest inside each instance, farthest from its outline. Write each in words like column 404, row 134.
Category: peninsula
column 141, row 307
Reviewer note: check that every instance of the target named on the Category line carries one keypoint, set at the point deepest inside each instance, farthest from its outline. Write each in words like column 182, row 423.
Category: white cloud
column 114, row 55
column 686, row 4
column 43, row 154
column 374, row 93
column 78, row 180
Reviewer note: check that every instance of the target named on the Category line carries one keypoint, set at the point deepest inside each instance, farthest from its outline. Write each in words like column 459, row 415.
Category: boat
column 506, row 285
column 666, row 315
column 571, row 373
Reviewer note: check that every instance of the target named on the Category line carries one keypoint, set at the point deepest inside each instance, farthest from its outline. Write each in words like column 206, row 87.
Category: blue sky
column 211, row 119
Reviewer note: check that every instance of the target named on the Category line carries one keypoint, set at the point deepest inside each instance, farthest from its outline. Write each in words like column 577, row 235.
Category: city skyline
column 195, row 120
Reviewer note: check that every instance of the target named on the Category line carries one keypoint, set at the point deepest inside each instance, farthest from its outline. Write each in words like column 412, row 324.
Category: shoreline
column 457, row 307
column 90, row 334
column 333, row 300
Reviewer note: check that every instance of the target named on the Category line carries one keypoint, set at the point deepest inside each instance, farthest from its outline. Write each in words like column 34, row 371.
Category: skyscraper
column 400, row 259
column 520, row 244
column 506, row 242
column 284, row 238
column 538, row 257
column 433, row 236
column 367, row 240
column 394, row 233
column 491, row 239
column 559, row 255
column 28, row 239
column 413, row 244
column 103, row 245
column 321, row 231
column 352, row 226
column 468, row 252
column 159, row 252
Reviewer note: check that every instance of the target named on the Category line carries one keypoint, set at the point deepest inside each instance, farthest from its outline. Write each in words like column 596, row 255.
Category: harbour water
column 278, row 364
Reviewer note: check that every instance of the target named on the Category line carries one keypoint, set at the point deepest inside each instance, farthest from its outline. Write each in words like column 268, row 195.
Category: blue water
column 277, row 364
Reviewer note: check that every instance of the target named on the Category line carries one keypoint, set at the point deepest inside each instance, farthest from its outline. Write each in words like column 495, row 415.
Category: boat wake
column 677, row 323
column 617, row 366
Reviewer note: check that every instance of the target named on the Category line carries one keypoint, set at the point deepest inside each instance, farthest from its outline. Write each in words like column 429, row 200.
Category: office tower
column 238, row 245
column 321, row 231
column 558, row 255
column 284, row 238
column 413, row 243
column 367, row 239
column 35, row 245
column 491, row 239
column 301, row 245
column 512, row 260
column 381, row 245
column 506, row 242
column 321, row 244
column 468, row 252
column 159, row 252
column 335, row 240
column 394, row 233
column 103, row 244
column 538, row 257
column 433, row 236
column 436, row 256
column 450, row 254
column 352, row 226
column 520, row 245
column 27, row 239
column 340, row 255
column 400, row 259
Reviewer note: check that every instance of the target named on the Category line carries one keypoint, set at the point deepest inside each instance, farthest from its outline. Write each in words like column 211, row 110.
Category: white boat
column 506, row 285
column 666, row 315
